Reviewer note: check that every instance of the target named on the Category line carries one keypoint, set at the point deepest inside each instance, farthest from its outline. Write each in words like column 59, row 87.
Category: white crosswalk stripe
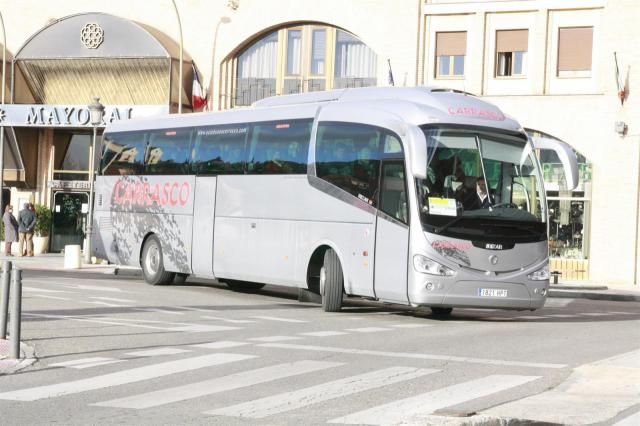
column 426, row 403
column 296, row 399
column 278, row 319
column 217, row 385
column 122, row 377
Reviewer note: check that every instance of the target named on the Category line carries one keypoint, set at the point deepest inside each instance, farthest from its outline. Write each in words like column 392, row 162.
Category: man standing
column 26, row 224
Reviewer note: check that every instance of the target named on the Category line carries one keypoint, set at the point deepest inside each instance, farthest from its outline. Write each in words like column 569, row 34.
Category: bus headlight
column 428, row 266
column 541, row 274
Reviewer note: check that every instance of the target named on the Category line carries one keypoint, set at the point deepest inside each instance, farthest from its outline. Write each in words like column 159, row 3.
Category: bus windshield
column 481, row 185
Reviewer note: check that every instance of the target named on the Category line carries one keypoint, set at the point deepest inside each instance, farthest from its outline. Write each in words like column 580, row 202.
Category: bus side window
column 168, row 152
column 393, row 195
column 219, row 150
column 348, row 156
column 123, row 153
column 279, row 147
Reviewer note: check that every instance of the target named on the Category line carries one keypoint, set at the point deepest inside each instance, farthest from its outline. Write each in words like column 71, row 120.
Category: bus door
column 203, row 222
column 392, row 234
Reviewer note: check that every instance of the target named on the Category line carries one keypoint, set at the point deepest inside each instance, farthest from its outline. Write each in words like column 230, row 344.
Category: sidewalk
column 565, row 288
column 55, row 262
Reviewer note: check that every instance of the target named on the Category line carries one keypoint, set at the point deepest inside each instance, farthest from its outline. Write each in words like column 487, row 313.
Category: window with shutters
column 575, row 50
column 451, row 49
column 511, row 52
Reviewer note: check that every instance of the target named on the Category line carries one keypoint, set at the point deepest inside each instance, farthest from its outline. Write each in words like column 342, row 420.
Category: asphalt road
column 114, row 350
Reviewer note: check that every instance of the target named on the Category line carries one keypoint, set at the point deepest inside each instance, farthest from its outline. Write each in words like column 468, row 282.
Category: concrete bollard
column 16, row 312
column 4, row 298
column 72, row 258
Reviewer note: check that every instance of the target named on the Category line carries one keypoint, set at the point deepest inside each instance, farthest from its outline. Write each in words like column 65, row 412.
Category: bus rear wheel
column 331, row 282
column 152, row 264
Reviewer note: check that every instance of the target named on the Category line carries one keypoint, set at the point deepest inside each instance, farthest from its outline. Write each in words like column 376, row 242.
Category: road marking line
column 43, row 290
column 278, row 319
column 132, row 323
column 626, row 360
column 595, row 314
column 427, row 403
column 158, row 352
column 368, row 329
column 46, row 296
column 622, row 313
column 80, row 361
column 288, row 401
column 562, row 316
column 97, row 364
column 412, row 355
column 410, row 325
column 223, row 344
column 92, row 288
column 274, row 338
column 632, row 420
column 122, row 377
column 109, row 305
column 323, row 333
column 234, row 321
column 112, row 299
column 219, row 384
column 160, row 311
column 529, row 317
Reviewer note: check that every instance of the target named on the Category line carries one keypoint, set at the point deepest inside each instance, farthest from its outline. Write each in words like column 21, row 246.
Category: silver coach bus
column 373, row 192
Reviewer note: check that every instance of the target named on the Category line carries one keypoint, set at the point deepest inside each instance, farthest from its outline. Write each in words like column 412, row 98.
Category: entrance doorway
column 69, row 218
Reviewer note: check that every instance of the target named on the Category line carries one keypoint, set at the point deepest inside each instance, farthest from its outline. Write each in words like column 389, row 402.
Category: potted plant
column 42, row 229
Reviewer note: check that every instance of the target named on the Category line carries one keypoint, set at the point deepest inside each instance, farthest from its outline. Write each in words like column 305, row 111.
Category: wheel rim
column 152, row 260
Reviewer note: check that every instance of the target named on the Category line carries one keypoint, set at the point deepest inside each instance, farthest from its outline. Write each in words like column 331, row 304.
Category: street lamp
column 96, row 111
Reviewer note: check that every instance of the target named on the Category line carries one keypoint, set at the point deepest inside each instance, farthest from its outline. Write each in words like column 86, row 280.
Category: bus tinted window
column 279, row 147
column 123, row 153
column 219, row 150
column 167, row 152
column 348, row 156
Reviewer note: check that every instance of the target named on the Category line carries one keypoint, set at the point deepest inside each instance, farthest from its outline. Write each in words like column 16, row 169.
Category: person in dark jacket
column 10, row 229
column 26, row 225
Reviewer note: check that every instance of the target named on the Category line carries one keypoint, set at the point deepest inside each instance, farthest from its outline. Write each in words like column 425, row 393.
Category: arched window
column 301, row 58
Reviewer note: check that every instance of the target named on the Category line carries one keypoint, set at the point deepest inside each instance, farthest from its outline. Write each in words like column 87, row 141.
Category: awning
column 77, row 58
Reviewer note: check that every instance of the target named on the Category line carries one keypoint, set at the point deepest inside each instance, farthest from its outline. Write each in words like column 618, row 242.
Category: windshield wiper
column 447, row 225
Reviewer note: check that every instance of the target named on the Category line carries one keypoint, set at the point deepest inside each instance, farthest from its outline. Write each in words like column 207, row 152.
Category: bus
column 368, row 192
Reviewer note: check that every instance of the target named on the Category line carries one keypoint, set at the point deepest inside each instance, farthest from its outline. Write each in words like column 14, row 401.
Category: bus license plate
column 493, row 292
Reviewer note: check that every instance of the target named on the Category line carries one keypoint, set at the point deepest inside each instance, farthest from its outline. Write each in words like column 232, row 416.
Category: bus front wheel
column 152, row 264
column 331, row 281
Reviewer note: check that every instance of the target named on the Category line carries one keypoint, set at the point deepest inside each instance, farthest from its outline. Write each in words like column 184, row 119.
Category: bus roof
column 414, row 105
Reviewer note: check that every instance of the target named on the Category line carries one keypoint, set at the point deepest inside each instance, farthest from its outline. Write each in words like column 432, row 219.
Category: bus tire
column 243, row 285
column 152, row 264
column 441, row 312
column 331, row 282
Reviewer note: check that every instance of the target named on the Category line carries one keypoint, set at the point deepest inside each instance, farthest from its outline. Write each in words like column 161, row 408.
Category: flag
column 390, row 80
column 198, row 98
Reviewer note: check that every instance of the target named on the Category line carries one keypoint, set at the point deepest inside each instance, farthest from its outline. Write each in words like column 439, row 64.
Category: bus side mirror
column 566, row 155
column 417, row 147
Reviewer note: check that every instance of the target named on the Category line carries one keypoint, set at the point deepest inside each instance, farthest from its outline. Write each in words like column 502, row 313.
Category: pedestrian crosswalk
column 300, row 384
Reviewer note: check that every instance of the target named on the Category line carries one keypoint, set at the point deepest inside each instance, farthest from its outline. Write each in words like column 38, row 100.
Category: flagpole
column 181, row 49
column 390, row 79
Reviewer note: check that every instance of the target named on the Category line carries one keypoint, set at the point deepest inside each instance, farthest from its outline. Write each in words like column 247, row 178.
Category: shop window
column 511, row 52
column 451, row 49
column 302, row 59
column 575, row 46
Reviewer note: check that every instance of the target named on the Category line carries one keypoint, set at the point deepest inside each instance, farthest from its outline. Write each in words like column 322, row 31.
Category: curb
column 27, row 357
column 594, row 295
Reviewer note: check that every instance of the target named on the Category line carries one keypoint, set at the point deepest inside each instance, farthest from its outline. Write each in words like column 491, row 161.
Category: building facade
column 549, row 63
